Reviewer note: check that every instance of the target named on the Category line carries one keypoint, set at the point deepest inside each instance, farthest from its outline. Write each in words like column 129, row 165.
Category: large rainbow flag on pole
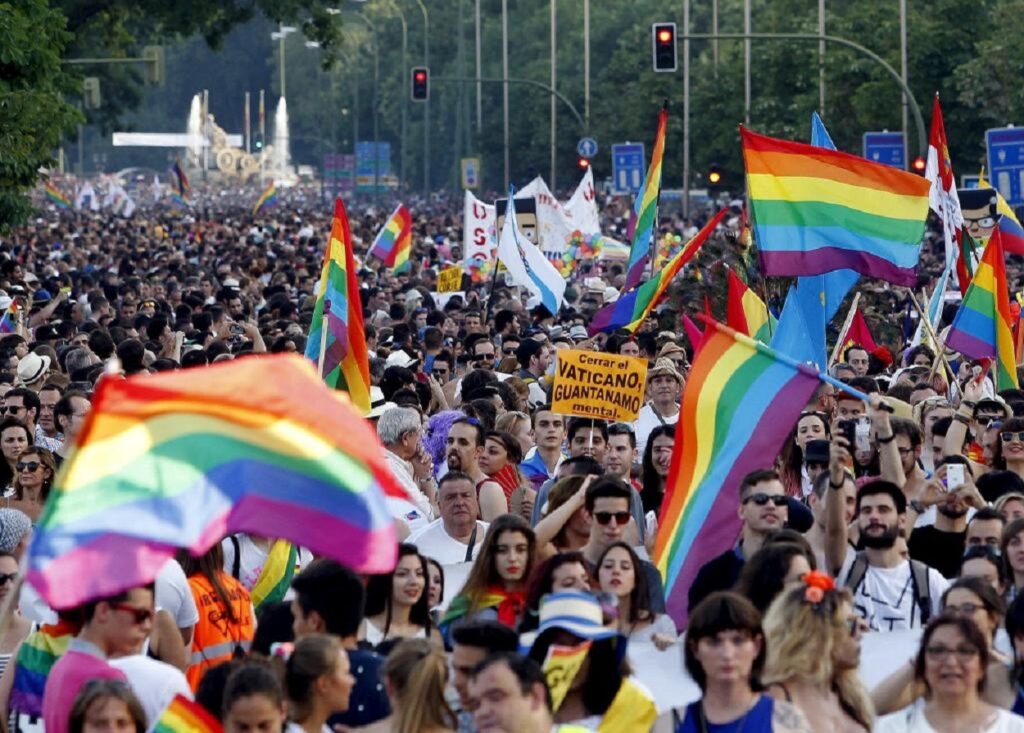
column 740, row 402
column 394, row 242
column 632, row 307
column 645, row 209
column 981, row 328
column 337, row 339
column 181, row 459
column 817, row 210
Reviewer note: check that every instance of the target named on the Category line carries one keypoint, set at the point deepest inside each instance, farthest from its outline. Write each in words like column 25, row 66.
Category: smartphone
column 954, row 476
column 862, row 435
column 848, row 430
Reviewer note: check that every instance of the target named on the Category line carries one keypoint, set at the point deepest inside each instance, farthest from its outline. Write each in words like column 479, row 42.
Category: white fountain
column 195, row 130
column 281, row 158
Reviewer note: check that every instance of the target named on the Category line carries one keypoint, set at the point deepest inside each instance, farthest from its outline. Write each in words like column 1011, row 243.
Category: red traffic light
column 421, row 76
column 919, row 164
column 664, row 35
column 583, row 163
column 663, row 40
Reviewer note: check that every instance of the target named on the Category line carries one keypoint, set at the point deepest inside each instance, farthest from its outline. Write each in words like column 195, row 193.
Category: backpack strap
column 857, row 572
column 236, row 564
column 922, row 590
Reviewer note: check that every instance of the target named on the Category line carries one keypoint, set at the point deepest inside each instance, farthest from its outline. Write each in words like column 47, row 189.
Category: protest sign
column 479, row 242
column 449, row 280
column 598, row 385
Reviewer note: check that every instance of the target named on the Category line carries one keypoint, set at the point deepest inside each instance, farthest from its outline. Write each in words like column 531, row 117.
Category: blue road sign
column 628, row 168
column 1006, row 162
column 587, row 147
column 888, row 148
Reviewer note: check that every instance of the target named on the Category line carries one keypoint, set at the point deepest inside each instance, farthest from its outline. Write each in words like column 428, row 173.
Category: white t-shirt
column 155, row 683
column 912, row 720
column 174, row 595
column 646, row 422
column 886, row 597
column 415, row 510
column 433, row 542
column 252, row 559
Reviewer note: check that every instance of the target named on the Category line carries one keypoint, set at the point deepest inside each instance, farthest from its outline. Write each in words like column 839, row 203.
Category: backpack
column 918, row 580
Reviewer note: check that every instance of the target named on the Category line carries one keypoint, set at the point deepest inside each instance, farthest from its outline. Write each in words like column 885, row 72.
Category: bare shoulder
column 787, row 718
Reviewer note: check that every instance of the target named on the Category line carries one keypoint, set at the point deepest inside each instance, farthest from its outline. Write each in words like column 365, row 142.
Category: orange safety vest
column 217, row 638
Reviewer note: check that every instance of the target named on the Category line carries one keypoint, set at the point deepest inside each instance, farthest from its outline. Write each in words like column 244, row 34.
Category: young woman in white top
column 616, row 573
column 398, row 604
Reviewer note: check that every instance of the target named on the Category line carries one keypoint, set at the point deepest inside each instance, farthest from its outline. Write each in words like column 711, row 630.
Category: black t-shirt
column 720, row 573
column 369, row 701
column 940, row 550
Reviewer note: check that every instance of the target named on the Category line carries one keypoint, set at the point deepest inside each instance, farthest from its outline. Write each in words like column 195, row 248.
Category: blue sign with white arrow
column 587, row 147
column 628, row 168
column 888, row 148
column 1005, row 147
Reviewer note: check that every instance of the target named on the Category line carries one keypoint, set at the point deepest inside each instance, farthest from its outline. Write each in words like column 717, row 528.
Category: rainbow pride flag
column 181, row 459
column 394, row 243
column 345, row 360
column 632, row 307
column 747, row 313
column 185, row 716
column 36, row 657
column 276, row 576
column 739, row 404
column 7, row 324
column 645, row 210
column 183, row 185
column 267, row 199
column 56, row 197
column 817, row 210
column 1009, row 225
column 981, row 328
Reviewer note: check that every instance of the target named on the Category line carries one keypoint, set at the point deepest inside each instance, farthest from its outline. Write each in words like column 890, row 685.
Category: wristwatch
column 917, row 506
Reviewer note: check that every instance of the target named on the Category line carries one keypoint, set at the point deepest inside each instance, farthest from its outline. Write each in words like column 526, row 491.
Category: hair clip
column 817, row 583
column 282, row 649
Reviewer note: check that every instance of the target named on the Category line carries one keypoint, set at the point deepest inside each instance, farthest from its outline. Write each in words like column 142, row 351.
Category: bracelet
column 962, row 419
column 426, row 480
column 917, row 506
column 835, row 486
column 885, row 441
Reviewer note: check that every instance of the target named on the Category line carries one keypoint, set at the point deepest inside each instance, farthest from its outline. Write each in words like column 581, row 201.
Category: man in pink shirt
column 115, row 625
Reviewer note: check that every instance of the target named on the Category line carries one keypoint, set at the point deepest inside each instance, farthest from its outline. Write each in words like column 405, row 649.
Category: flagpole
column 323, row 336
column 940, row 346
column 846, row 327
column 653, row 253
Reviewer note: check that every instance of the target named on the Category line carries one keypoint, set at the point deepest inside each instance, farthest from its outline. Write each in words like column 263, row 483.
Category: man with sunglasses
column 117, row 625
column 608, row 503
column 764, row 508
column 484, row 354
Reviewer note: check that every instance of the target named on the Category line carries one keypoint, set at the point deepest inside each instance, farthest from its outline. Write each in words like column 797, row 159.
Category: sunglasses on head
column 603, row 518
column 27, row 466
column 762, row 499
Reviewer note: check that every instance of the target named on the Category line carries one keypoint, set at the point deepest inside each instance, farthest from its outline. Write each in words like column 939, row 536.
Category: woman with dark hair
column 952, row 664
column 602, row 695
column 106, row 705
column 35, row 471
column 724, row 654
column 565, row 525
column 618, row 574
column 811, row 425
column 1011, row 547
column 226, row 623
column 398, row 603
column 14, row 438
column 500, row 461
column 253, row 699
column 657, row 460
column 435, row 586
column 496, row 584
column 564, row 571
column 771, row 570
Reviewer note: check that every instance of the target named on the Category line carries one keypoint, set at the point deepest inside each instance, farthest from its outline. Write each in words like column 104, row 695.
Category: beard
column 952, row 511
column 882, row 541
column 454, row 462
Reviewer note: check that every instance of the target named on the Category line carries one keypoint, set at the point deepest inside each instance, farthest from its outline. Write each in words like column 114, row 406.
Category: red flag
column 942, row 198
column 693, row 333
column 858, row 334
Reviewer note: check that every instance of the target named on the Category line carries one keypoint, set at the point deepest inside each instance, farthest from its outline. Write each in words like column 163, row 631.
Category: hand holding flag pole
column 838, row 349
column 940, row 346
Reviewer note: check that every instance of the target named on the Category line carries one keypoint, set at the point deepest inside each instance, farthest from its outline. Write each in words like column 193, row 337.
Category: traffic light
column 663, row 38
column 420, row 84
column 583, row 162
column 91, row 92
column 156, row 65
column 257, row 142
column 715, row 176
column 919, row 164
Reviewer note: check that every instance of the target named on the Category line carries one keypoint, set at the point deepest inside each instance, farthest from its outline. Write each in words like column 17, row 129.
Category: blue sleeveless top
column 1018, row 702
column 757, row 720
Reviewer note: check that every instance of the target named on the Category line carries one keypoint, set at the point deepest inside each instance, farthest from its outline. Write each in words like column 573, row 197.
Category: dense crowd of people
column 524, row 598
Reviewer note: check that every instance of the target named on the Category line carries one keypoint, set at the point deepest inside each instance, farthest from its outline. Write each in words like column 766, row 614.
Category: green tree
column 33, row 113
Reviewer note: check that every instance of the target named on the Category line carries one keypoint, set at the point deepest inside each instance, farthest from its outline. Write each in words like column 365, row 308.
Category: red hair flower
column 817, row 583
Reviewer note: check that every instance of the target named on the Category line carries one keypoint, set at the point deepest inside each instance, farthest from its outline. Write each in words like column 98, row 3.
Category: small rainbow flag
column 817, row 210
column 276, row 576
column 183, row 185
column 747, row 313
column 177, row 200
column 267, row 198
column 36, row 657
column 182, row 459
column 394, row 243
column 55, row 197
column 981, row 328
column 185, row 716
column 645, row 209
column 632, row 307
column 1009, row 224
column 345, row 360
column 739, row 404
column 7, row 324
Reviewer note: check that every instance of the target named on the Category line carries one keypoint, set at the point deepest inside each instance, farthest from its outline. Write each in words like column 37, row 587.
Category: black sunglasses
column 603, row 518
column 27, row 466
column 761, row 499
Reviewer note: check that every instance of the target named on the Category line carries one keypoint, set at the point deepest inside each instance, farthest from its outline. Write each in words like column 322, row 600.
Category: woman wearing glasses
column 952, row 666
column 35, row 470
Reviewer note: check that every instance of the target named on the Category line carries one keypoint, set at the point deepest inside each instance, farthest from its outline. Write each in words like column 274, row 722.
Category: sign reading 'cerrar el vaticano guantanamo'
column 598, row 385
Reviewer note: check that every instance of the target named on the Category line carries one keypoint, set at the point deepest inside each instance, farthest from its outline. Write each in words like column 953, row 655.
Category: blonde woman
column 813, row 639
column 415, row 675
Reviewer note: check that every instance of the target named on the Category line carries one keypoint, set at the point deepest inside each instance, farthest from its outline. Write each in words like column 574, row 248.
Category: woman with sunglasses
column 810, row 426
column 951, row 666
column 35, row 471
column 14, row 438
column 618, row 573
column 812, row 634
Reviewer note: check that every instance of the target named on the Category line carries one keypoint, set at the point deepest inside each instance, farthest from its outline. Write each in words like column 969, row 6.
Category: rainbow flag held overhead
column 267, row 199
column 276, row 576
column 181, row 459
column 817, row 210
column 645, row 210
column 632, row 307
column 394, row 242
column 739, row 404
column 56, row 197
column 982, row 326
column 183, row 185
column 747, row 313
column 185, row 716
column 344, row 363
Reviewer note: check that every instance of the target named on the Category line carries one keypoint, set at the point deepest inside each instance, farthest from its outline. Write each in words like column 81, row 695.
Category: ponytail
column 418, row 673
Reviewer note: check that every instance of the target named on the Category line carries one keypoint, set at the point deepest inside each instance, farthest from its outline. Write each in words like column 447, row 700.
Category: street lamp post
column 279, row 35
column 426, row 104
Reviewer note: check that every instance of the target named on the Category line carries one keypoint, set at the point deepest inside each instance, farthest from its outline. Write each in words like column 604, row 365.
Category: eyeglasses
column 762, row 499
column 6, row 578
column 985, row 419
column 30, row 466
column 940, row 652
column 11, row 409
column 603, row 518
column 508, row 351
column 483, row 357
column 139, row 615
column 1009, row 437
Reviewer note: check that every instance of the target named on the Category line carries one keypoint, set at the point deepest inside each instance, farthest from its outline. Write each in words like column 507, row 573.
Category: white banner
column 479, row 239
column 581, row 211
